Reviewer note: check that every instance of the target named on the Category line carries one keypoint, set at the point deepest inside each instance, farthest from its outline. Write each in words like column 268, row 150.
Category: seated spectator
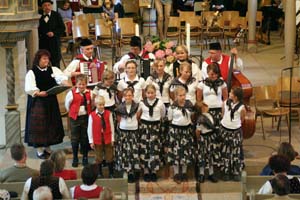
column 280, row 165
column 217, row 5
column 106, row 194
column 57, row 185
column 88, row 189
column 19, row 171
column 185, row 5
column 67, row 15
column 59, row 160
column 287, row 150
column 42, row 193
column 111, row 11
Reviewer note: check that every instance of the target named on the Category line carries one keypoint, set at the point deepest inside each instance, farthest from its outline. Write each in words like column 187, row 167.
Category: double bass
column 237, row 79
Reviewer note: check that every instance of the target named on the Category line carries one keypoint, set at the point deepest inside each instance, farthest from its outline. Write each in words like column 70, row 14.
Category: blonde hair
column 179, row 89
column 99, row 100
column 157, row 61
column 183, row 48
column 185, row 64
column 59, row 159
column 106, row 194
column 108, row 74
column 150, row 86
column 81, row 77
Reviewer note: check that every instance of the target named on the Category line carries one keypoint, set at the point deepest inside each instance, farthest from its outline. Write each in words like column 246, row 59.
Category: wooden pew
column 268, row 196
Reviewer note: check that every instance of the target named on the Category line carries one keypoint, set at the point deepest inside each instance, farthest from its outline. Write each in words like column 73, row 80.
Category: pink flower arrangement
column 161, row 49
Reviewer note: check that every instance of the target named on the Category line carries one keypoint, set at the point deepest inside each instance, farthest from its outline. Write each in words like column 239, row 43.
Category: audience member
column 280, row 165
column 217, row 5
column 89, row 188
column 106, row 194
column 58, row 186
column 67, row 15
column 111, row 11
column 19, row 171
column 281, row 186
column 59, row 159
column 285, row 149
column 163, row 8
column 42, row 193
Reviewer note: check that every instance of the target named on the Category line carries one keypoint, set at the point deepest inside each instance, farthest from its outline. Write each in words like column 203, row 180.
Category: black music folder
column 57, row 89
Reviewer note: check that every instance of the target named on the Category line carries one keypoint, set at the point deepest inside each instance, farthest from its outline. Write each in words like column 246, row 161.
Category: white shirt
column 83, row 187
column 103, row 92
column 236, row 65
column 236, row 121
column 85, row 2
column 30, row 82
column 165, row 97
column 69, row 100
column 212, row 99
column 196, row 72
column 62, row 188
column 138, row 87
column 158, row 110
column 267, row 187
column 90, row 128
column 203, row 128
column 129, row 123
column 191, row 94
column 177, row 118
column 74, row 65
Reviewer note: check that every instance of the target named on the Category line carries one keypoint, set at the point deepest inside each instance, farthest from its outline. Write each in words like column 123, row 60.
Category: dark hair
column 279, row 163
column 129, row 89
column 214, row 67
column 238, row 92
column 89, row 174
column 281, row 185
column 17, row 151
column 287, row 150
column 47, row 168
column 39, row 54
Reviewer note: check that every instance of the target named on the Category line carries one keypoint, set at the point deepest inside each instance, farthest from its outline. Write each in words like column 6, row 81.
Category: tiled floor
column 262, row 68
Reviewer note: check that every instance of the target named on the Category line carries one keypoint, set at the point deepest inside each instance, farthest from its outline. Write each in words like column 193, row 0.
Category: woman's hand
column 42, row 94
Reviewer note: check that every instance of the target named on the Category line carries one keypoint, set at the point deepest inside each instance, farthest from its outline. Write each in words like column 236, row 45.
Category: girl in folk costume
column 182, row 55
column 231, row 134
column 185, row 80
column 127, row 145
column 206, row 146
column 152, row 111
column 132, row 80
column 43, row 121
column 101, row 135
column 180, row 137
column 213, row 91
column 78, row 103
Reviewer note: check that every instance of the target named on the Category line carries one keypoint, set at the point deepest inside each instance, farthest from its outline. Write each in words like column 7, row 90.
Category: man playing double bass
column 216, row 55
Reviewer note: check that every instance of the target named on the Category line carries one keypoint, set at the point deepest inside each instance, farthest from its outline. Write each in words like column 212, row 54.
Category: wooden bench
column 118, row 185
column 268, row 196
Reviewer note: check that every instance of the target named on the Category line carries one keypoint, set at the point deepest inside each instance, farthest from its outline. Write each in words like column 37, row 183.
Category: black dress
column 43, row 121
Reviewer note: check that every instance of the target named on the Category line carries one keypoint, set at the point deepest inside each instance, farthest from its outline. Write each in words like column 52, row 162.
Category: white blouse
column 165, row 97
column 158, row 111
column 191, row 94
column 236, row 121
column 138, row 88
column 212, row 99
column 177, row 118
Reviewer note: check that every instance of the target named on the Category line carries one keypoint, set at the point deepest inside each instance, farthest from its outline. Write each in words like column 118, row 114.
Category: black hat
column 215, row 46
column 85, row 42
column 45, row 1
column 135, row 41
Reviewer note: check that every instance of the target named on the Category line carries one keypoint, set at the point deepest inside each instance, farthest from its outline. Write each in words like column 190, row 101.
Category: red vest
column 79, row 193
column 223, row 66
column 95, row 60
column 77, row 102
column 97, row 129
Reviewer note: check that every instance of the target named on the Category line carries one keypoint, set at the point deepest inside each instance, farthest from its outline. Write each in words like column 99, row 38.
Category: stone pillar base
column 12, row 127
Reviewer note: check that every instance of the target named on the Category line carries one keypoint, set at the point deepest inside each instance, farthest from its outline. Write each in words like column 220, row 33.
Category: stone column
column 252, row 8
column 12, row 115
column 290, row 32
column 32, row 44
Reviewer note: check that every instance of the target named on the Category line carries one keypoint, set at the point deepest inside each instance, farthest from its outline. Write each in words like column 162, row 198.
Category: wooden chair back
column 87, row 18
column 131, row 6
column 286, row 85
column 127, row 27
column 80, row 29
column 228, row 18
column 185, row 15
column 102, row 29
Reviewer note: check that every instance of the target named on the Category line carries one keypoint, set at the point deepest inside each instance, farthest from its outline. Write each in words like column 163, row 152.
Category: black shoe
column 237, row 178
column 131, row 178
column 213, row 178
column 85, row 161
column 184, row 177
column 153, row 177
column 42, row 156
column 75, row 162
column 201, row 178
column 226, row 177
column 147, row 178
column 177, row 178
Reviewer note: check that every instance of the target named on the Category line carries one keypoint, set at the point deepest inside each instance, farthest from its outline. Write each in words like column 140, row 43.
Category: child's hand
column 198, row 133
column 92, row 145
column 166, row 149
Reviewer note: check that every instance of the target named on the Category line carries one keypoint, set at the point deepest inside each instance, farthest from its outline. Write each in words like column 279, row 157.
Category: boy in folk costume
column 79, row 104
column 101, row 135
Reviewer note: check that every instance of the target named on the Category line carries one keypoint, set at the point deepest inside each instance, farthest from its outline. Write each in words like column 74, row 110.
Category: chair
column 66, row 40
column 195, row 27
column 131, row 7
column 231, row 30
column 259, row 19
column 266, row 105
column 174, row 28
column 127, row 27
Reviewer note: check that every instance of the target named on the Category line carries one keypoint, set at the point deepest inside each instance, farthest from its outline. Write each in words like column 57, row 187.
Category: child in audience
column 132, row 80
column 101, row 135
column 152, row 112
column 59, row 159
column 231, row 135
column 180, row 137
column 206, row 142
column 89, row 189
column 127, row 147
column 79, row 104
column 186, row 80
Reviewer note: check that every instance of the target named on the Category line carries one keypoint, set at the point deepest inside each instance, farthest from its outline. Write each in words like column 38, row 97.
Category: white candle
column 188, row 37
column 137, row 30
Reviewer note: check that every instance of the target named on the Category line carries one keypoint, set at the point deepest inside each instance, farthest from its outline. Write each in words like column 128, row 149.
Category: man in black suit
column 50, row 29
